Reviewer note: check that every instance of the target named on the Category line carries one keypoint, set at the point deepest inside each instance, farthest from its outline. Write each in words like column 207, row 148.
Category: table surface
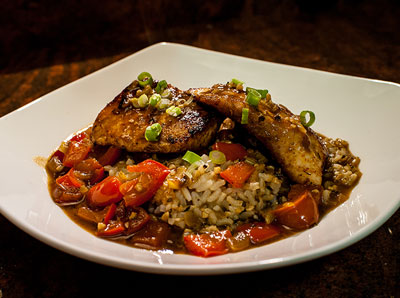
column 45, row 46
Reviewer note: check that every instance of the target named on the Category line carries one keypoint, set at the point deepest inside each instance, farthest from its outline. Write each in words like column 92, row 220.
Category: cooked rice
column 195, row 197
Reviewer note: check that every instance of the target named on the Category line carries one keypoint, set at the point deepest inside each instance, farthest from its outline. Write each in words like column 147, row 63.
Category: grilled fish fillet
column 296, row 148
column 122, row 125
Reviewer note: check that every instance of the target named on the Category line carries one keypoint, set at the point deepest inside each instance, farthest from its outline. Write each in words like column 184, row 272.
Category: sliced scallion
column 191, row 157
column 153, row 132
column 303, row 118
column 154, row 99
column 217, row 157
column 174, row 111
column 143, row 100
column 245, row 116
column 163, row 103
column 166, row 93
column 161, row 85
column 253, row 97
column 134, row 102
column 263, row 92
column 236, row 82
column 144, row 79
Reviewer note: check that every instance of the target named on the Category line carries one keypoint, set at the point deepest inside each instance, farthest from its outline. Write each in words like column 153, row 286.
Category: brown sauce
column 174, row 241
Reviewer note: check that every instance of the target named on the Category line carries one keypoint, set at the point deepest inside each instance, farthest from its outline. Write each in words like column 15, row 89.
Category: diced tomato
column 110, row 157
column 69, row 180
column 299, row 213
column 207, row 245
column 113, row 229
column 105, row 192
column 259, row 231
column 78, row 148
column 237, row 174
column 232, row 151
column 141, row 189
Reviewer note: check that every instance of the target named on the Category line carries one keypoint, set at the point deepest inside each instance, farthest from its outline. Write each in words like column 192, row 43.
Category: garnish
column 191, row 157
column 303, row 120
column 245, row 116
column 152, row 132
column 145, row 79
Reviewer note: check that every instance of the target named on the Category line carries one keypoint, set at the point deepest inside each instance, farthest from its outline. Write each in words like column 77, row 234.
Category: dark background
column 47, row 44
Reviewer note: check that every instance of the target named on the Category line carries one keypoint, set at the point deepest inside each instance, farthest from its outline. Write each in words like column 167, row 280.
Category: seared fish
column 296, row 148
column 122, row 125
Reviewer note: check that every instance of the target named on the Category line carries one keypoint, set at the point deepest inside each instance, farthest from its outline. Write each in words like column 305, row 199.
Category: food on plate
column 295, row 147
column 206, row 171
column 183, row 124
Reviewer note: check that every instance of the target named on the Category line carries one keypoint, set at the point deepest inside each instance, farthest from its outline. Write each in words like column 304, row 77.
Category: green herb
column 154, row 99
column 303, row 119
column 263, row 92
column 174, row 111
column 236, row 82
column 253, row 97
column 152, row 132
column 143, row 100
column 191, row 157
column 163, row 103
column 161, row 85
column 245, row 116
column 217, row 157
column 145, row 79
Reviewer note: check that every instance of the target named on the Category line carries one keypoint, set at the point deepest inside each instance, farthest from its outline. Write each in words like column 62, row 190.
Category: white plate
column 362, row 111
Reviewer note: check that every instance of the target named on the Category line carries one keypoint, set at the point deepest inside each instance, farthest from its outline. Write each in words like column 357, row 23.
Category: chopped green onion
column 134, row 101
column 236, row 82
column 263, row 92
column 174, row 111
column 145, row 79
column 245, row 116
column 152, row 132
column 143, row 100
column 161, row 85
column 163, row 103
column 303, row 119
column 154, row 99
column 191, row 157
column 253, row 97
column 166, row 93
column 217, row 157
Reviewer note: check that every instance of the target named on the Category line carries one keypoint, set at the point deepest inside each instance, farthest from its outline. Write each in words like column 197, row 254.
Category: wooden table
column 45, row 46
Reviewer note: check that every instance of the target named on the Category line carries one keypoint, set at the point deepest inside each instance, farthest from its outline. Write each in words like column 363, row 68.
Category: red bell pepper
column 111, row 230
column 69, row 180
column 237, row 174
column 110, row 213
column 232, row 151
column 259, row 231
column 207, row 245
column 299, row 213
column 79, row 147
column 141, row 189
column 105, row 192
